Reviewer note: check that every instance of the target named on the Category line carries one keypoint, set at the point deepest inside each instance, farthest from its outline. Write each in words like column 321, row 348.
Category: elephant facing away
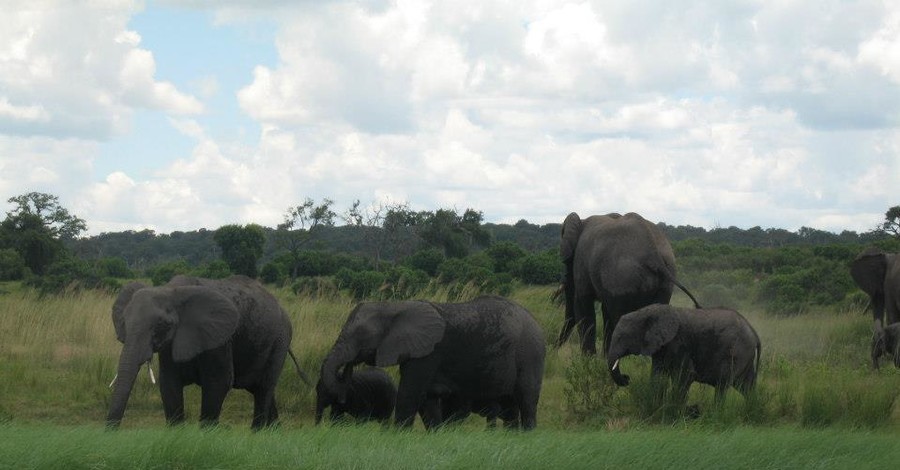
column 480, row 351
column 717, row 347
column 878, row 274
column 371, row 396
column 623, row 261
column 218, row 334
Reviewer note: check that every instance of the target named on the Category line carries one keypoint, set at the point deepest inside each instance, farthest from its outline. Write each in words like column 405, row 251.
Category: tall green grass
column 58, row 355
column 370, row 447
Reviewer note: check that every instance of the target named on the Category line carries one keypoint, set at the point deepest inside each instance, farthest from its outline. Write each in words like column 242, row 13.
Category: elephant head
column 381, row 334
column 642, row 332
column 184, row 319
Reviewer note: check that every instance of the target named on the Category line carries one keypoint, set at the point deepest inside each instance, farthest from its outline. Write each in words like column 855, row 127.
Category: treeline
column 392, row 252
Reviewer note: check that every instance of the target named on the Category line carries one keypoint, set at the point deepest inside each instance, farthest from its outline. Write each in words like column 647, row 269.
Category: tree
column 892, row 221
column 381, row 224
column 36, row 227
column 241, row 247
column 453, row 233
column 300, row 226
column 60, row 224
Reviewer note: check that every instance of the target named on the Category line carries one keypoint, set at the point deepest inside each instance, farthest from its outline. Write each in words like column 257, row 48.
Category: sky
column 186, row 114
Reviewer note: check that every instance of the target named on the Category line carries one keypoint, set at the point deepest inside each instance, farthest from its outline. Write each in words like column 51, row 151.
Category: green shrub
column 589, row 390
column 402, row 282
column 426, row 260
column 12, row 265
column 163, row 273
column 361, row 284
column 217, row 269
column 272, row 273
column 542, row 268
column 114, row 267
column 504, row 255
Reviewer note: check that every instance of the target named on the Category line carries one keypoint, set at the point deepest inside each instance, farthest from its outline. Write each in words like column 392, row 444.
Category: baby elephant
column 713, row 346
column 887, row 342
column 371, row 396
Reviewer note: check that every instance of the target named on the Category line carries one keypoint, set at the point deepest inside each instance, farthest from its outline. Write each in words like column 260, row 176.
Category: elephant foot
column 692, row 411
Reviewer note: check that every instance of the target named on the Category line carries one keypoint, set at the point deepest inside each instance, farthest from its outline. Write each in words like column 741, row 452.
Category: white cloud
column 730, row 113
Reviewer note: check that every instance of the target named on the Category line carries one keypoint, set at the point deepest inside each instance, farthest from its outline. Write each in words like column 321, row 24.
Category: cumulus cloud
column 75, row 70
column 731, row 113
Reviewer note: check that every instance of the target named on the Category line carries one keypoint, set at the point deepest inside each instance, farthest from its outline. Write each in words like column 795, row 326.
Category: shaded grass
column 370, row 447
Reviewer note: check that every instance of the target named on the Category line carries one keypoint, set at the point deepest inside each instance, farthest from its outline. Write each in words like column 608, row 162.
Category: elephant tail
column 684, row 289
column 303, row 376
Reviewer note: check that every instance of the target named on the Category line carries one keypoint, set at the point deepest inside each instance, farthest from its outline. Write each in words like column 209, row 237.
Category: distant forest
column 143, row 249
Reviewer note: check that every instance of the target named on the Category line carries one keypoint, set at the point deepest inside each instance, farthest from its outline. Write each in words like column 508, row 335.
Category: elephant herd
column 484, row 356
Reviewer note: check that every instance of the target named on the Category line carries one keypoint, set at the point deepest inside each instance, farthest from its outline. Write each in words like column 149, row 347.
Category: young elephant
column 712, row 346
column 887, row 342
column 371, row 396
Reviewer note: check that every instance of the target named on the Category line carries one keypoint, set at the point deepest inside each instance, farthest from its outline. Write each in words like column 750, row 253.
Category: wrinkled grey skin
column 623, row 261
column 878, row 274
column 717, row 346
column 479, row 351
column 371, row 396
column 218, row 334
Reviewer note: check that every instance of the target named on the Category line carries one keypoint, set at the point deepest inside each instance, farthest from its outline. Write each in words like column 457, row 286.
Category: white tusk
column 615, row 365
column 150, row 368
column 113, row 380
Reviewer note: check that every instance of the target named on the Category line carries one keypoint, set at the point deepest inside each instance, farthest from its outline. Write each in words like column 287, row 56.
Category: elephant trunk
column 568, row 288
column 129, row 365
column 878, row 346
column 618, row 377
column 334, row 383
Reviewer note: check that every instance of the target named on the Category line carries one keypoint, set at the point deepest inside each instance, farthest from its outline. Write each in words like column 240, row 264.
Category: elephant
column 217, row 334
column 444, row 407
column 480, row 351
column 623, row 261
column 371, row 396
column 715, row 346
column 878, row 274
column 887, row 341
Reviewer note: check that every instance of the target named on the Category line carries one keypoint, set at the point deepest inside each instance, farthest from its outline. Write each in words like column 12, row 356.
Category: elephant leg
column 416, row 376
column 171, row 390
column 263, row 406
column 211, row 399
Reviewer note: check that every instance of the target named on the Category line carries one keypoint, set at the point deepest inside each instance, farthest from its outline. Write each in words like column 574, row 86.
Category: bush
column 542, row 268
column 12, row 265
column 361, row 284
column 273, row 273
column 217, row 269
column 426, row 260
column 114, row 267
column 504, row 255
column 589, row 390
column 71, row 274
column 402, row 282
column 164, row 272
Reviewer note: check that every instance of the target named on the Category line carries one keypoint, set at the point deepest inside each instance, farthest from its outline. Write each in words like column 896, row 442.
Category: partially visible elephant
column 717, row 346
column 480, row 351
column 887, row 342
column 453, row 409
column 371, row 396
column 218, row 334
column 878, row 274
column 623, row 261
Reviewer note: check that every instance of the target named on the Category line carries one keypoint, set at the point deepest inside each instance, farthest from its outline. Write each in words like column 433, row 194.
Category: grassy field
column 816, row 393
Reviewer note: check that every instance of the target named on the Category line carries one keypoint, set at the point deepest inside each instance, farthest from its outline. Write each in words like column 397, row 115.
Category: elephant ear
column 661, row 328
column 118, row 308
column 868, row 271
column 413, row 332
column 571, row 230
column 206, row 320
